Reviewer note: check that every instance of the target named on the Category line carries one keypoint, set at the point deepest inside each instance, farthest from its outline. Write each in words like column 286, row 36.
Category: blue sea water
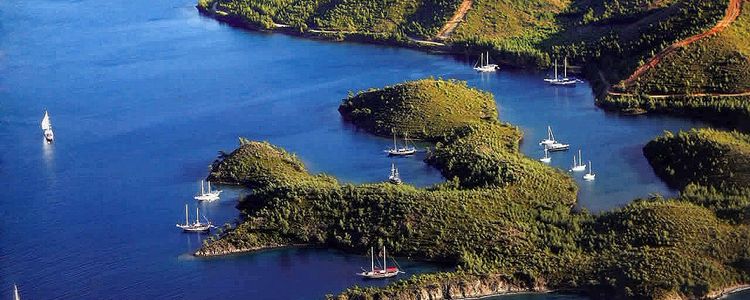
column 143, row 94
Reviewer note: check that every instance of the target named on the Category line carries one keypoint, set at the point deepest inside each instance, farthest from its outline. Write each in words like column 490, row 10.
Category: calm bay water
column 143, row 94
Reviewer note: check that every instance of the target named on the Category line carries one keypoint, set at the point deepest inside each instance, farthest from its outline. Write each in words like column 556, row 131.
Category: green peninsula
column 505, row 221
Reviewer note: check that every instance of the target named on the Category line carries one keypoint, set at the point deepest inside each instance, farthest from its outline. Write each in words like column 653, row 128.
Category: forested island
column 506, row 222
column 679, row 56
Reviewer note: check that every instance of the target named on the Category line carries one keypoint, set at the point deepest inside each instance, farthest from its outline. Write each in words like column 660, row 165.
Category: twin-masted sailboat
column 578, row 165
column 207, row 195
column 394, row 177
column 590, row 176
column 483, row 65
column 196, row 226
column 377, row 272
column 49, row 136
column 403, row 150
column 564, row 81
column 551, row 144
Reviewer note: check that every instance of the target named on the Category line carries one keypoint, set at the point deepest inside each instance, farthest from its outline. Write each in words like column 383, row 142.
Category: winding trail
column 447, row 29
column 733, row 11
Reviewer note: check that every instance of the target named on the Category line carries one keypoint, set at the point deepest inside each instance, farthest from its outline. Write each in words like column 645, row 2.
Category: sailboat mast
column 551, row 134
column 385, row 262
column 555, row 69
column 394, row 142
column 372, row 259
column 580, row 157
column 16, row 295
column 197, row 219
column 187, row 221
column 549, row 129
column 202, row 192
column 209, row 187
column 565, row 69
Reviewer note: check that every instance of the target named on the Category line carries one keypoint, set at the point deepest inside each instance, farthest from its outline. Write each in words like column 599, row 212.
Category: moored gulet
column 483, row 65
column 394, row 177
column 578, row 165
column 550, row 138
column 49, row 136
column 590, row 176
column 401, row 151
column 378, row 273
column 207, row 195
column 551, row 144
column 564, row 81
column 196, row 226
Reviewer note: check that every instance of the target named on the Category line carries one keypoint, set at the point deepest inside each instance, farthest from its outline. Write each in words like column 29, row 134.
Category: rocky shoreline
column 720, row 294
column 466, row 287
column 228, row 249
column 373, row 38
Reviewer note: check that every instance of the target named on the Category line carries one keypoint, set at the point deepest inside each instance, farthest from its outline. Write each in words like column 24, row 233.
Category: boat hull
column 206, row 197
column 554, row 148
column 487, row 68
column 193, row 228
column 402, row 152
column 546, row 142
column 378, row 275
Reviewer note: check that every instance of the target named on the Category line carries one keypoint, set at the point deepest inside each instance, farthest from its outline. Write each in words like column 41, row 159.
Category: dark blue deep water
column 144, row 93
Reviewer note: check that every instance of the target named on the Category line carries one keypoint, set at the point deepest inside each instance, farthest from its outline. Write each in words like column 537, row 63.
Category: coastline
column 202, row 252
column 356, row 37
column 727, row 291
column 445, row 289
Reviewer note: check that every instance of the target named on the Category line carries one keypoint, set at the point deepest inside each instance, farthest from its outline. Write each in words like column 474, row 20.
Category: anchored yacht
column 207, row 195
column 196, row 226
column 394, row 178
column 483, row 65
column 376, row 272
column 49, row 136
column 590, row 176
column 401, row 151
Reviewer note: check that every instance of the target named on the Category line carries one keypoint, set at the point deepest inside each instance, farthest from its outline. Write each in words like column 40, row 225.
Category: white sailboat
column 590, row 176
column 546, row 158
column 196, row 226
column 558, row 147
column 16, row 295
column 578, row 166
column 376, row 272
column 484, row 65
column 394, row 178
column 47, row 128
column 564, row 81
column 401, row 151
column 550, row 138
column 207, row 195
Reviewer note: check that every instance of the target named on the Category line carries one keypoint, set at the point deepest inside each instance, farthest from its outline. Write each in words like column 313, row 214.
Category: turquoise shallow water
column 142, row 96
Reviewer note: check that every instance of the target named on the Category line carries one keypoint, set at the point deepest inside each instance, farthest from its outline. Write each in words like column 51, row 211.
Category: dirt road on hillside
column 448, row 27
column 733, row 11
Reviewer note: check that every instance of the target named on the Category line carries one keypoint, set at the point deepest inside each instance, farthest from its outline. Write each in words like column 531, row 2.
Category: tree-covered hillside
column 505, row 221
